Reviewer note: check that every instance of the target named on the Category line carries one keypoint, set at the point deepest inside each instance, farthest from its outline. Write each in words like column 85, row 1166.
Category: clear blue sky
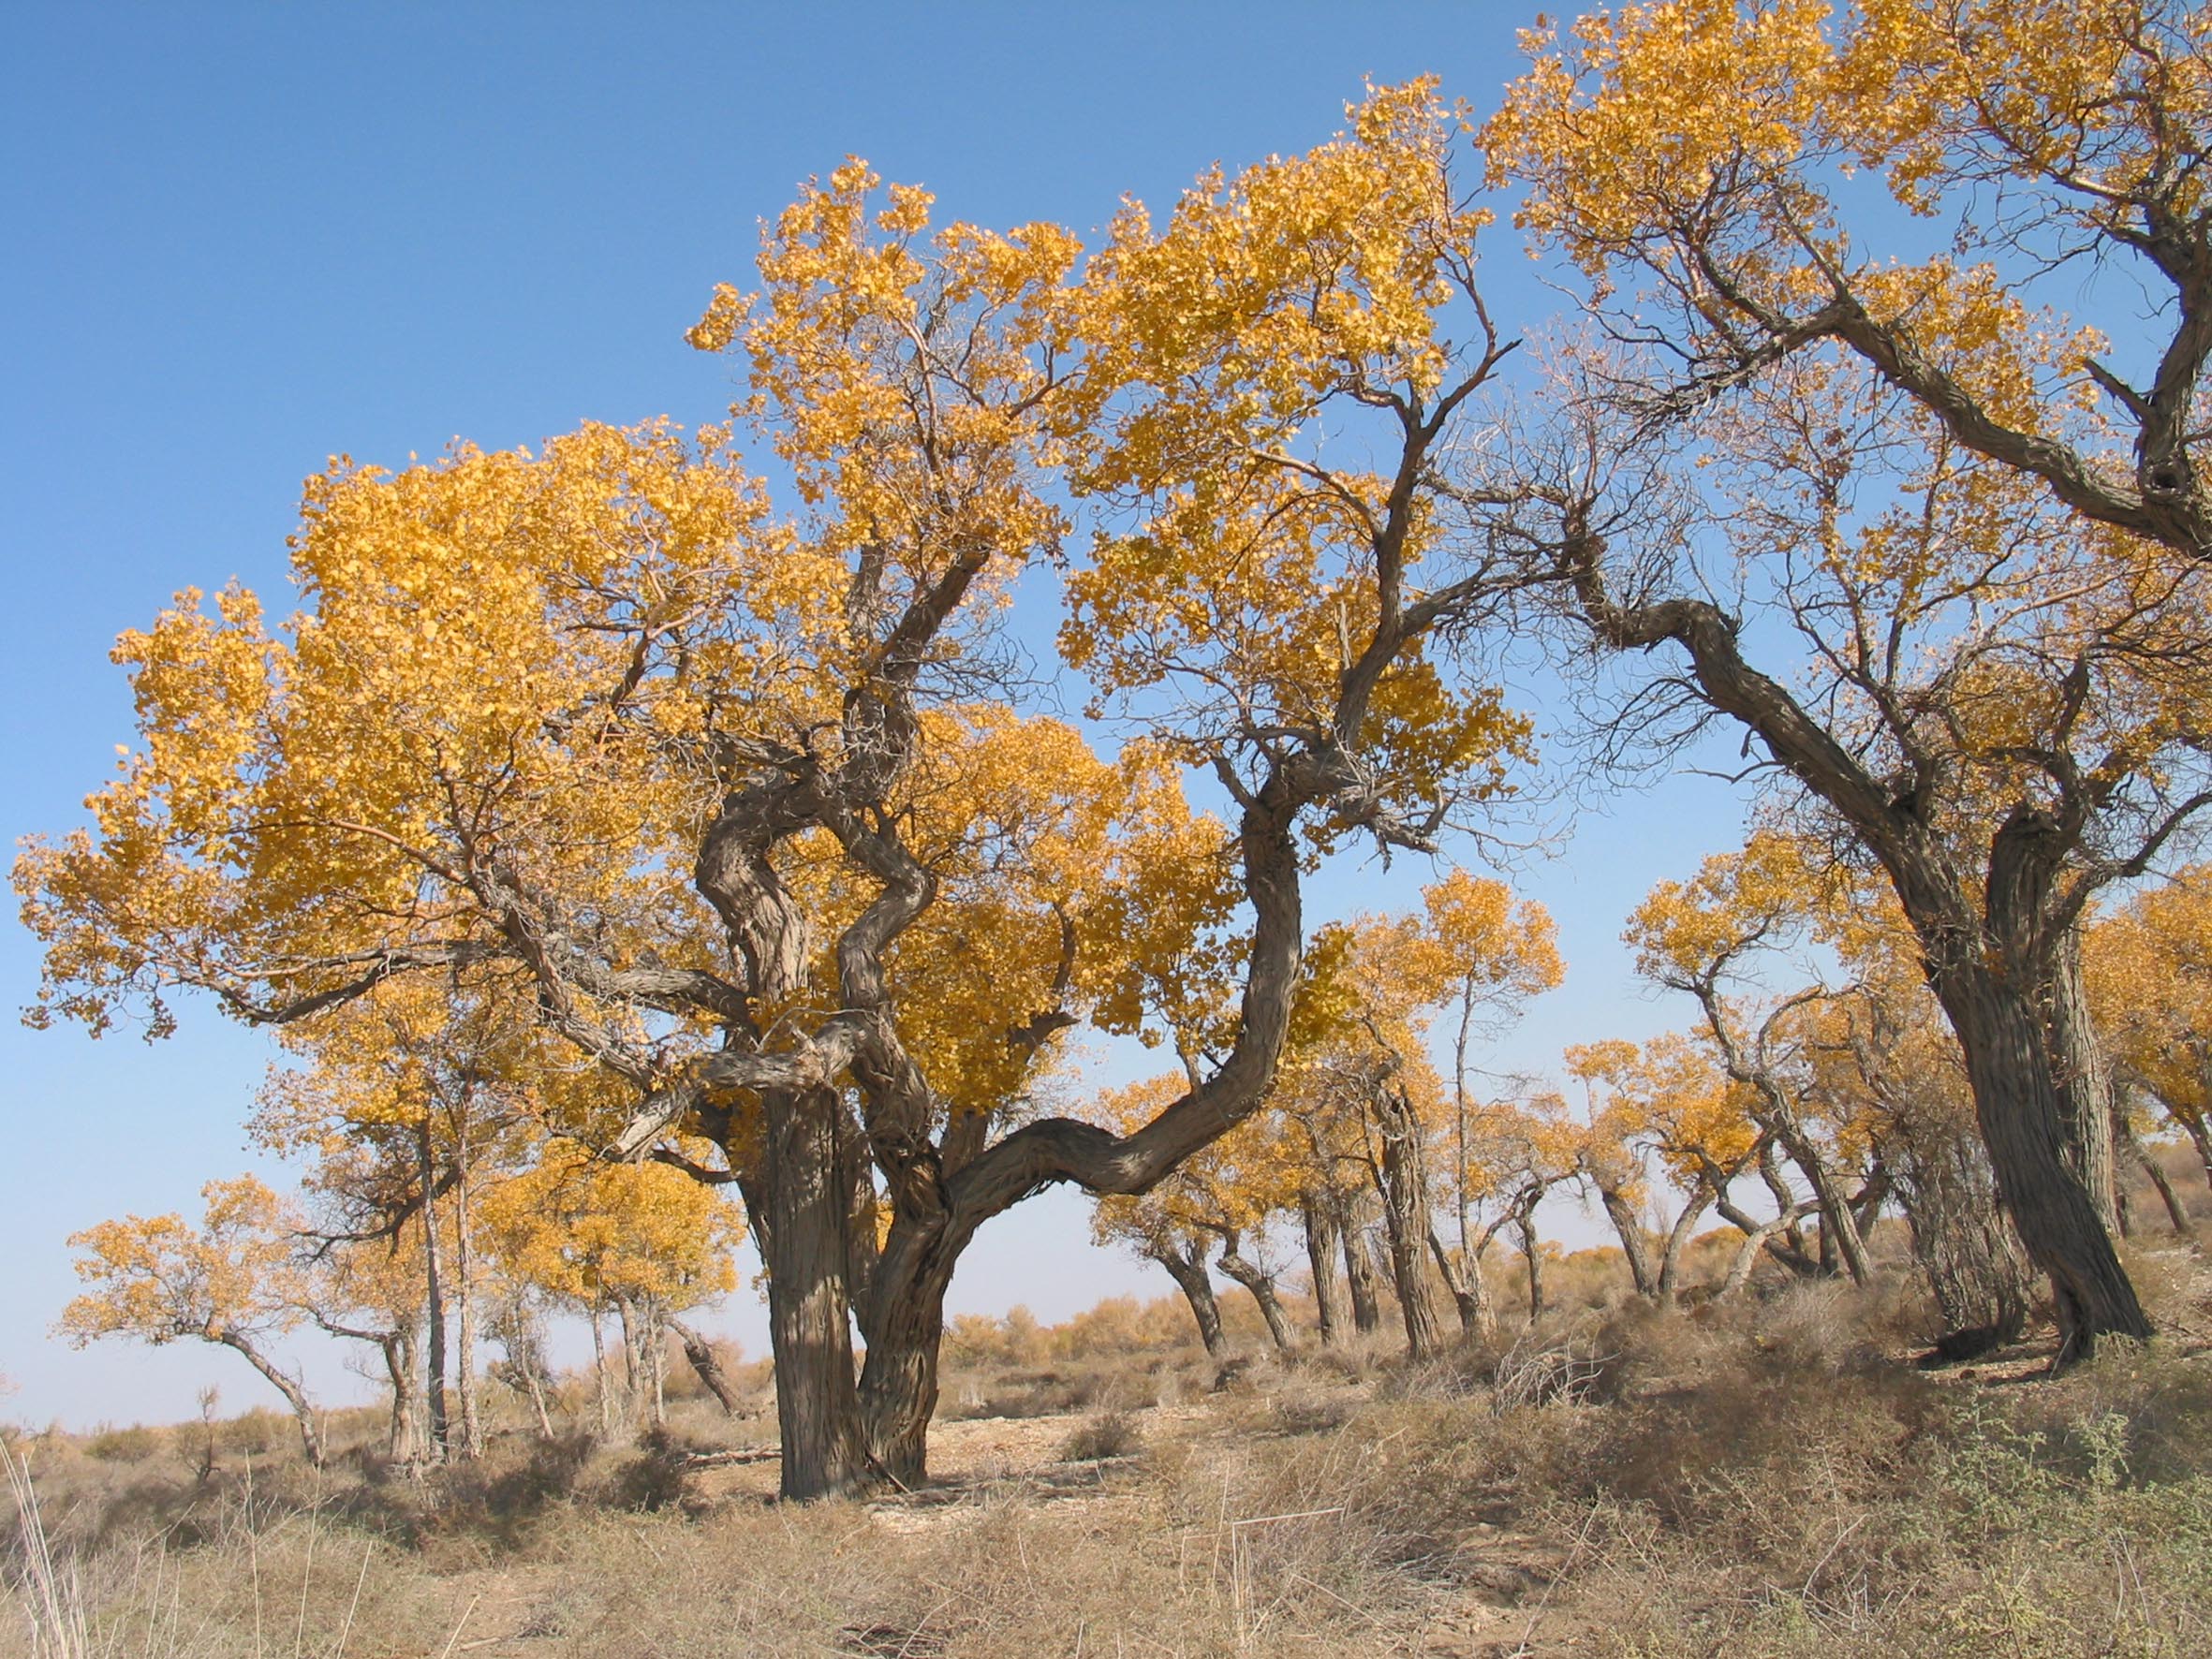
column 241, row 239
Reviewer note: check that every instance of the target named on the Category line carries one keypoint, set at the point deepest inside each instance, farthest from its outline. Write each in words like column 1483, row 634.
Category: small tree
column 232, row 1282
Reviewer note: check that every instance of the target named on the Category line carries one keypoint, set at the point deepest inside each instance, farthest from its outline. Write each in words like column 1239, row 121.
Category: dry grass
column 1775, row 1477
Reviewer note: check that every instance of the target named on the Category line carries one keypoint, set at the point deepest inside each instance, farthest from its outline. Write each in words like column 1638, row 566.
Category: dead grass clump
column 1112, row 1433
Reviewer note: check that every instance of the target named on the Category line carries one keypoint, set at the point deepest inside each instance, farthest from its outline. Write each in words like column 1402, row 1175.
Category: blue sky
column 243, row 238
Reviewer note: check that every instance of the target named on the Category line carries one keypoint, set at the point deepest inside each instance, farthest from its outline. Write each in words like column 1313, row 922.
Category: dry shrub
column 1112, row 1433
column 134, row 1445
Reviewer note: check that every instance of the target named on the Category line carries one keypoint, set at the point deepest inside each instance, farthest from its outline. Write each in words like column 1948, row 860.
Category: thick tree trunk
column 1404, row 1183
column 2023, row 1123
column 1359, row 1269
column 434, row 1285
column 706, row 1365
column 1319, row 1221
column 1191, row 1278
column 2087, row 1101
column 2004, row 1039
column 1262, row 1285
column 294, row 1396
column 810, row 1324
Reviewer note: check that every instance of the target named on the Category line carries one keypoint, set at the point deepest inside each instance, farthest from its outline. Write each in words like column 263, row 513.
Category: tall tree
column 594, row 718
column 1923, row 485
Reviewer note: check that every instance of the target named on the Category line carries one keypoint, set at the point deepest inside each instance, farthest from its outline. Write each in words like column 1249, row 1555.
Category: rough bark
column 1188, row 1267
column 816, row 1403
column 2008, row 1062
column 2087, row 1100
column 1401, row 1180
column 1319, row 1222
column 2022, row 1123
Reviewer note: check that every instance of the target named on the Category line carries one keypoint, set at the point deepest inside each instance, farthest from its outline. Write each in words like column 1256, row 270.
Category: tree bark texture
column 816, row 1403
column 1318, row 1220
column 1402, row 1180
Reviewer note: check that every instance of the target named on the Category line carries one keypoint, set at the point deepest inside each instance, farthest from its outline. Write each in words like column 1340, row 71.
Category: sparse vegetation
column 1772, row 1475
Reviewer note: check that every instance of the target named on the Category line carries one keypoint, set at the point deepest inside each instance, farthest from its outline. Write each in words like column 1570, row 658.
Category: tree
column 1732, row 160
column 232, row 1282
column 1365, row 1091
column 595, row 719
column 2149, row 969
column 1922, row 482
column 405, row 1103
column 1666, row 1100
column 643, row 1242
column 1699, row 936
column 1223, row 1196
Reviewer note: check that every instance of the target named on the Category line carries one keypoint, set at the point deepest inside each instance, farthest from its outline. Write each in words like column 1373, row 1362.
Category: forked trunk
column 1468, row 1294
column 1262, row 1285
column 1190, row 1273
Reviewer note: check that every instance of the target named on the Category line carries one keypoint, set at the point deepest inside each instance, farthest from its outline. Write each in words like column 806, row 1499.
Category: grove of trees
column 623, row 824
